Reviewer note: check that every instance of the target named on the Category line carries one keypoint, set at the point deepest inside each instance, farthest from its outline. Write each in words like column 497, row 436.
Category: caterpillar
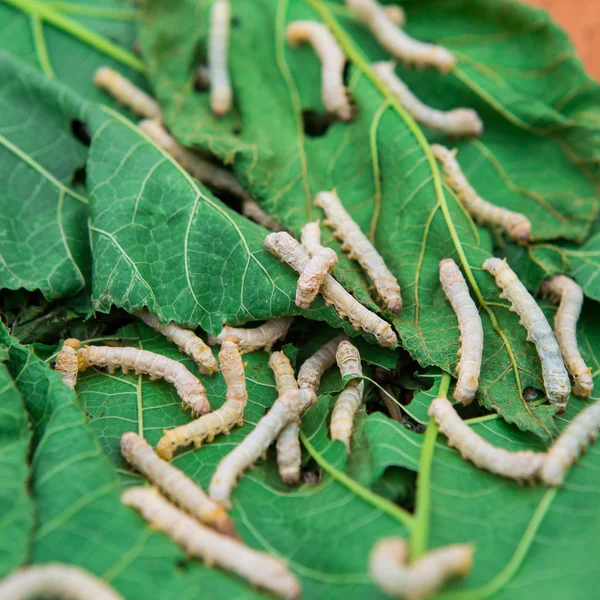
column 565, row 451
column 348, row 360
column 398, row 43
column 471, row 330
column 253, row 211
column 312, row 276
column 186, row 340
column 198, row 541
column 360, row 249
column 311, row 371
column 218, row 46
column 515, row 224
column 287, row 408
column 288, row 250
column 55, row 580
column 562, row 289
column 128, row 94
column 395, row 14
column 422, row 578
column 174, row 484
column 522, row 465
column 222, row 420
column 311, row 237
column 67, row 362
column 254, row 338
column 190, row 389
column 332, row 59
column 556, row 379
column 457, row 122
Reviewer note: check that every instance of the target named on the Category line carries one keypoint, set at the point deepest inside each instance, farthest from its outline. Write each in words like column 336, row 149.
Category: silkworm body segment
column 311, row 371
column 67, row 362
column 254, row 338
column 218, row 47
column 311, row 237
column 312, row 276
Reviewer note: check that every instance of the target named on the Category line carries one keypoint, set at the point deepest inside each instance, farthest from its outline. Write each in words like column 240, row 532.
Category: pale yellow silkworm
column 424, row 577
column 556, row 379
column 177, row 486
column 198, row 541
column 457, row 122
column 312, row 276
column 515, row 224
column 253, row 211
column 186, row 340
column 522, row 465
column 471, row 330
column 128, row 94
column 332, row 59
column 190, row 389
column 55, row 580
column 67, row 362
column 356, row 243
column 254, row 338
column 564, row 291
column 395, row 14
column 311, row 237
column 397, row 42
column 287, row 408
column 311, row 371
column 218, row 48
column 222, row 420
column 565, row 451
column 288, row 250
column 348, row 360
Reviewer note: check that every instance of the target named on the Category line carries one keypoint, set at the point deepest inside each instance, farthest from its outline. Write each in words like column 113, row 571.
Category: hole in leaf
column 530, row 394
column 81, row 132
column 78, row 177
column 235, row 21
column 310, row 476
column 316, row 124
column 202, row 83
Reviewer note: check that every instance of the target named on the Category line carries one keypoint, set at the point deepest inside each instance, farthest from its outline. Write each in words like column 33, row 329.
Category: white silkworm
column 287, row 408
column 332, row 59
column 562, row 289
column 177, row 486
column 285, row 381
column 254, row 338
column 522, row 465
column 222, row 420
column 471, row 330
column 356, row 243
column 186, row 340
column 67, row 362
column 565, row 451
column 556, row 379
column 457, row 122
column 218, row 46
column 396, row 41
column 55, row 580
column 311, row 371
column 311, row 237
column 253, row 211
column 312, row 276
column 348, row 360
column 422, row 578
column 515, row 224
column 190, row 389
column 288, row 250
column 128, row 94
column 260, row 569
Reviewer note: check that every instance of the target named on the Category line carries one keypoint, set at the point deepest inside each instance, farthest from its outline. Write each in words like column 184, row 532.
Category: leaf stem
column 39, row 40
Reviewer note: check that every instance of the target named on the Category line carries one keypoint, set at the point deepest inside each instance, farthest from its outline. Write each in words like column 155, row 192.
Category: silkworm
column 395, row 14
column 311, row 371
column 422, row 578
column 253, row 211
column 55, row 580
column 332, row 60
column 348, row 360
column 254, row 338
column 222, row 420
column 561, row 289
column 177, row 486
column 218, row 46
column 128, row 94
column 288, row 250
column 515, row 224
column 471, row 330
column 565, row 451
column 312, row 276
column 554, row 374
column 198, row 541
column 457, row 122
column 287, row 408
column 67, row 363
column 397, row 42
column 522, row 465
column 190, row 389
column 356, row 243
column 311, row 237
column 186, row 340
